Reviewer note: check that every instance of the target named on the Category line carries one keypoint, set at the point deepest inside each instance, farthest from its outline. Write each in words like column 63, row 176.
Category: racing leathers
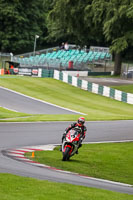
column 83, row 128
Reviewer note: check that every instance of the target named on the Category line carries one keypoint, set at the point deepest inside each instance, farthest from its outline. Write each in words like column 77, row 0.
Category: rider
column 79, row 123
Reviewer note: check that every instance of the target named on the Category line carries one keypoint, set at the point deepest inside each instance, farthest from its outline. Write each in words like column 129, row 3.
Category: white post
column 36, row 36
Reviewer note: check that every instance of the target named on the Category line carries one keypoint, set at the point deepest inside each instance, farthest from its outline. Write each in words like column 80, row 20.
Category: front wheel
column 66, row 154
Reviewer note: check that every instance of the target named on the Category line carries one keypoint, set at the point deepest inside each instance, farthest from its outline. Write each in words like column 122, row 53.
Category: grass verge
column 124, row 88
column 8, row 115
column 107, row 161
column 95, row 106
column 14, row 187
column 4, row 114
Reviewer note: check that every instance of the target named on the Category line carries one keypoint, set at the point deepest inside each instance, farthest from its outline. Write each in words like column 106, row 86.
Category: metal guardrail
column 48, row 50
column 99, row 49
column 5, row 54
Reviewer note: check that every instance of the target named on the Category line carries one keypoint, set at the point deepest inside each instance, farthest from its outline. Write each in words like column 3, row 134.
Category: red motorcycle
column 71, row 143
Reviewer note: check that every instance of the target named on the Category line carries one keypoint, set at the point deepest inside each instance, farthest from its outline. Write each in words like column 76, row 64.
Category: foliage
column 117, row 26
column 116, row 20
column 68, row 20
column 91, row 19
column 20, row 23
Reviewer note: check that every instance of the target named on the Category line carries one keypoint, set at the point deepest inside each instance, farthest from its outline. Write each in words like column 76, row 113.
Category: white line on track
column 42, row 101
column 107, row 181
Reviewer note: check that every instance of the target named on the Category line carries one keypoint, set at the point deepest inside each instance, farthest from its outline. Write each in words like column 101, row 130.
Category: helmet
column 81, row 121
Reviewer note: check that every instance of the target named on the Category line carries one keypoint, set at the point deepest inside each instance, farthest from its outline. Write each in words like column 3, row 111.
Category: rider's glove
column 64, row 134
column 80, row 139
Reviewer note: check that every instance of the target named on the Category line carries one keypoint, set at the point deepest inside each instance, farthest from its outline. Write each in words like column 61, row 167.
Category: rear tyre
column 66, row 155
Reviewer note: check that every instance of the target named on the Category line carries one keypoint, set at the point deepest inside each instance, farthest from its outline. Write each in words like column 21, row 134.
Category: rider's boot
column 77, row 152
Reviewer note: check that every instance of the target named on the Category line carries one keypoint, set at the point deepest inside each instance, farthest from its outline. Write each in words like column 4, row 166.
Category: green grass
column 8, row 115
column 95, row 106
column 21, row 188
column 4, row 114
column 124, row 88
column 107, row 161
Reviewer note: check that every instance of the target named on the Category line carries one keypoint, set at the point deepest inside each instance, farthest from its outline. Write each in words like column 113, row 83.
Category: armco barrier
column 47, row 73
column 98, row 73
column 94, row 88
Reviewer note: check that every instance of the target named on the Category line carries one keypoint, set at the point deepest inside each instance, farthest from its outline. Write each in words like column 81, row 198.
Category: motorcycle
column 71, row 143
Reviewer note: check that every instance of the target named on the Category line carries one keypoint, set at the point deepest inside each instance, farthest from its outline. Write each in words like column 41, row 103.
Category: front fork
column 64, row 146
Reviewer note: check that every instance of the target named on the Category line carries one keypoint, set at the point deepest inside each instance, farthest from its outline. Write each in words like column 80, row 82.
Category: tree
column 20, row 22
column 116, row 18
column 67, row 20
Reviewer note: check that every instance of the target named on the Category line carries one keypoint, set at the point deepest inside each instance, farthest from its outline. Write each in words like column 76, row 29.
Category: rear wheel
column 66, row 154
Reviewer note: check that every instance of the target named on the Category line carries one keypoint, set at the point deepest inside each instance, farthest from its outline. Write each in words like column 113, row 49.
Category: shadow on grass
column 72, row 160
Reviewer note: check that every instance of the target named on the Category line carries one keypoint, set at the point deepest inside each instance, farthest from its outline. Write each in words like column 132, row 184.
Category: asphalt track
column 17, row 135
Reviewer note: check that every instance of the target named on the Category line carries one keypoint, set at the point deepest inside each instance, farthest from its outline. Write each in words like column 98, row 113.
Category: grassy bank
column 107, row 161
column 8, row 115
column 4, row 114
column 95, row 107
column 124, row 88
column 14, row 187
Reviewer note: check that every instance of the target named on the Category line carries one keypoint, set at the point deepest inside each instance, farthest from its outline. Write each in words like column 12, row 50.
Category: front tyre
column 66, row 154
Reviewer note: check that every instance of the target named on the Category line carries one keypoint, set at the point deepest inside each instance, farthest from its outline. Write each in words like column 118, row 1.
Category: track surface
column 14, row 135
